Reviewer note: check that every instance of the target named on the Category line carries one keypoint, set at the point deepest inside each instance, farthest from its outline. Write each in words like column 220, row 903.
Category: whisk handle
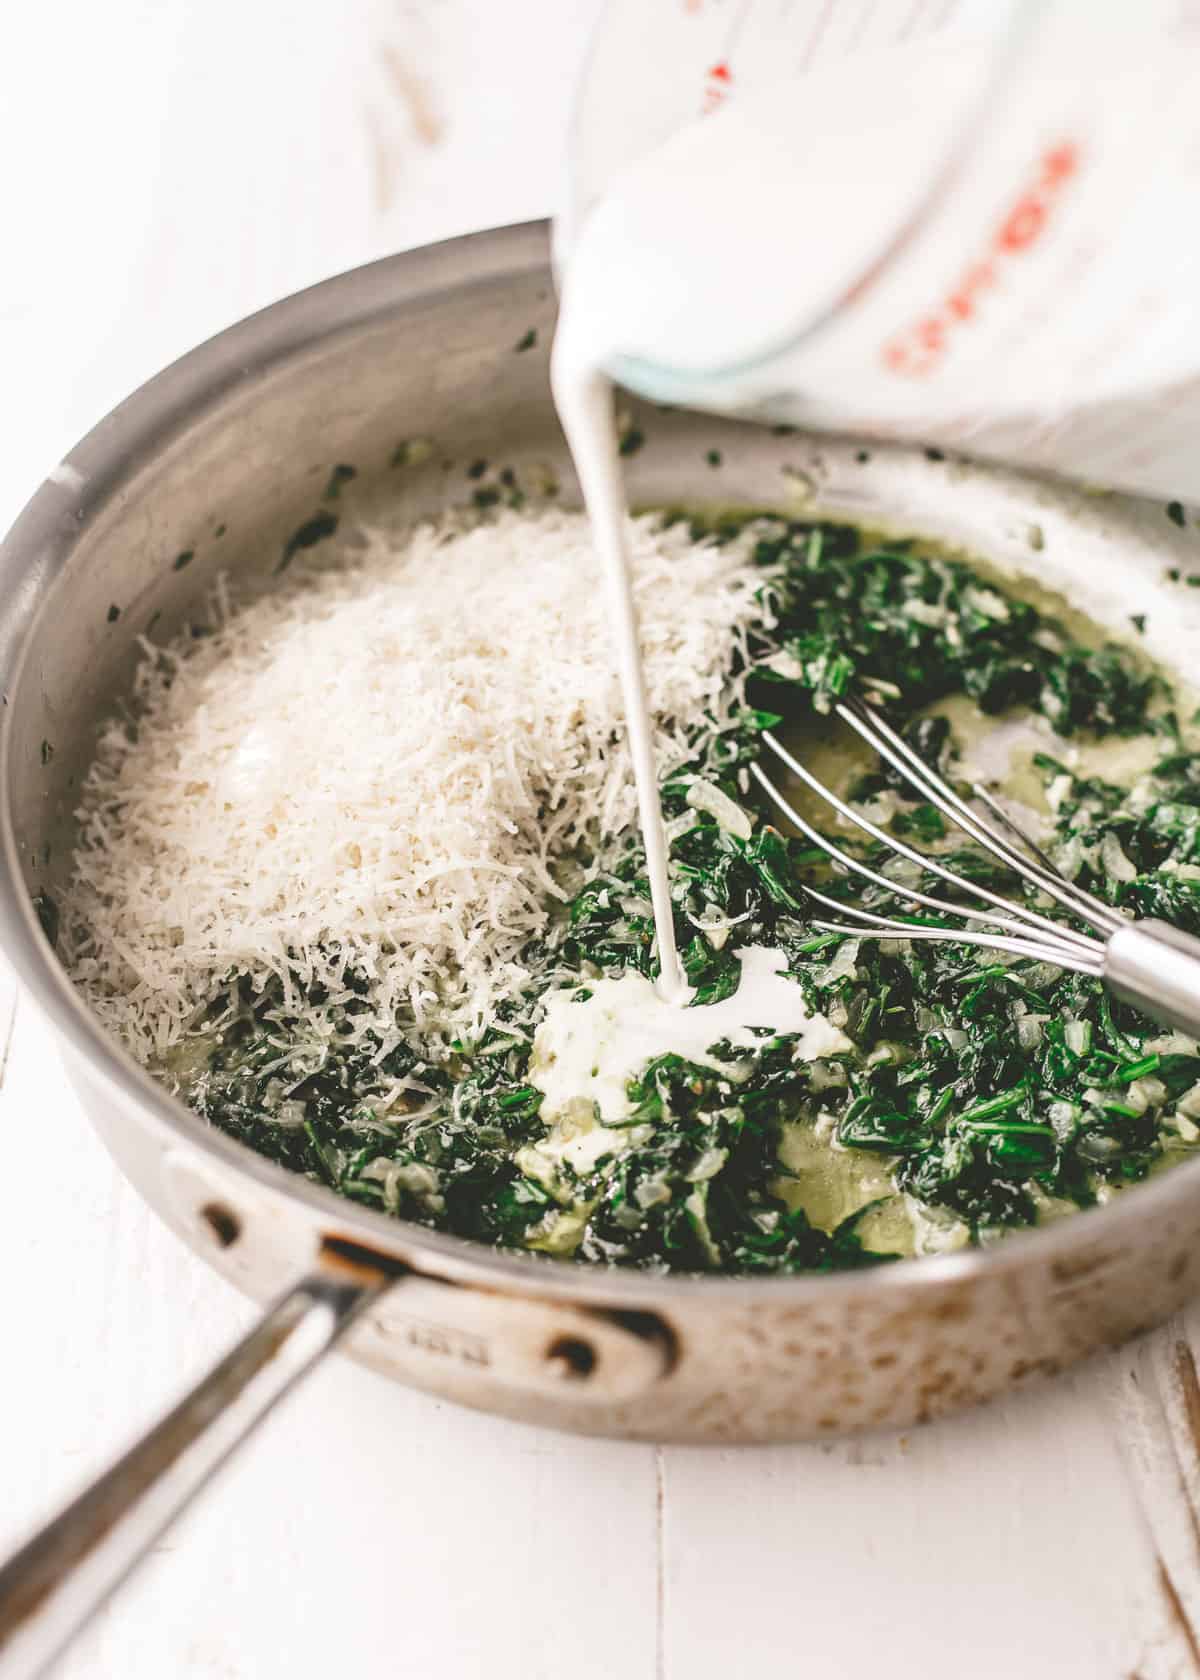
column 1156, row 968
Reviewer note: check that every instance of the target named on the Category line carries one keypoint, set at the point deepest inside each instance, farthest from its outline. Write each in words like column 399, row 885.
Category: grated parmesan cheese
column 370, row 773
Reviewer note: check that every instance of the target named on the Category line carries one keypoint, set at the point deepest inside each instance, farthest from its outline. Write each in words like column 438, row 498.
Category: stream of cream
column 681, row 262
column 700, row 252
column 584, row 399
column 587, row 1052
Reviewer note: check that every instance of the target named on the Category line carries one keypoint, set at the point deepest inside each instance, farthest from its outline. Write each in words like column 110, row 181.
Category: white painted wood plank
column 1007, row 1541
column 1155, row 1417
column 185, row 163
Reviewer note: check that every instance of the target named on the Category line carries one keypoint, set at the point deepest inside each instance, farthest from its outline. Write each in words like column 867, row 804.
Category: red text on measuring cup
column 917, row 350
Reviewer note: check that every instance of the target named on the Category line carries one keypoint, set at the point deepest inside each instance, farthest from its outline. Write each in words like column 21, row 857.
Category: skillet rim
column 34, row 554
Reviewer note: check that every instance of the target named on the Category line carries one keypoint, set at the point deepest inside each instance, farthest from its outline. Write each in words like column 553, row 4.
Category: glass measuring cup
column 967, row 223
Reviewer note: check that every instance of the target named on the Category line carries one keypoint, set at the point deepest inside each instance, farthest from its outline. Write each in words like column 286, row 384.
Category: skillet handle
column 66, row 1571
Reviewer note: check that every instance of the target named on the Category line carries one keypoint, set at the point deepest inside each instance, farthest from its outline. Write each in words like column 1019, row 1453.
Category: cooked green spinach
column 993, row 1092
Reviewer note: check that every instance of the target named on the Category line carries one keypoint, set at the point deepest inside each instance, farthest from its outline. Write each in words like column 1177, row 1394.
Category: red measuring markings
column 718, row 85
column 918, row 350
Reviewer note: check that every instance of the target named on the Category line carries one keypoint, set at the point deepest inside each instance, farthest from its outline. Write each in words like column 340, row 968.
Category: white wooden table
column 168, row 166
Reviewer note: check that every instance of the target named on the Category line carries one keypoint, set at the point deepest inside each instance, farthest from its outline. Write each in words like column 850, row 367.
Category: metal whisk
column 1147, row 963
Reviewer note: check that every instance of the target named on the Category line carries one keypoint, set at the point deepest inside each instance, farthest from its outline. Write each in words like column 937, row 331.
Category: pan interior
column 385, row 420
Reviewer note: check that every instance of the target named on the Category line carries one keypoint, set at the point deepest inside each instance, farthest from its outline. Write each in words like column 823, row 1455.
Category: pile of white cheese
column 372, row 774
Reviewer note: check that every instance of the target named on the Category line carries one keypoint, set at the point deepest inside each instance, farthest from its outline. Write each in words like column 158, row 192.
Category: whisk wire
column 1059, row 956
column 1022, row 930
column 916, row 928
column 1032, row 921
column 894, row 750
column 1105, row 913
column 1063, row 956
column 855, row 866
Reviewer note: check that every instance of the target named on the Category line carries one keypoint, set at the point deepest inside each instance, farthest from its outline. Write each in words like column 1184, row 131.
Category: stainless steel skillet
column 407, row 371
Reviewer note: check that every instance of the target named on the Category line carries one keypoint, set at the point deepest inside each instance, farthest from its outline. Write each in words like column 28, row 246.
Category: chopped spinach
column 343, row 473
column 989, row 1089
column 316, row 530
